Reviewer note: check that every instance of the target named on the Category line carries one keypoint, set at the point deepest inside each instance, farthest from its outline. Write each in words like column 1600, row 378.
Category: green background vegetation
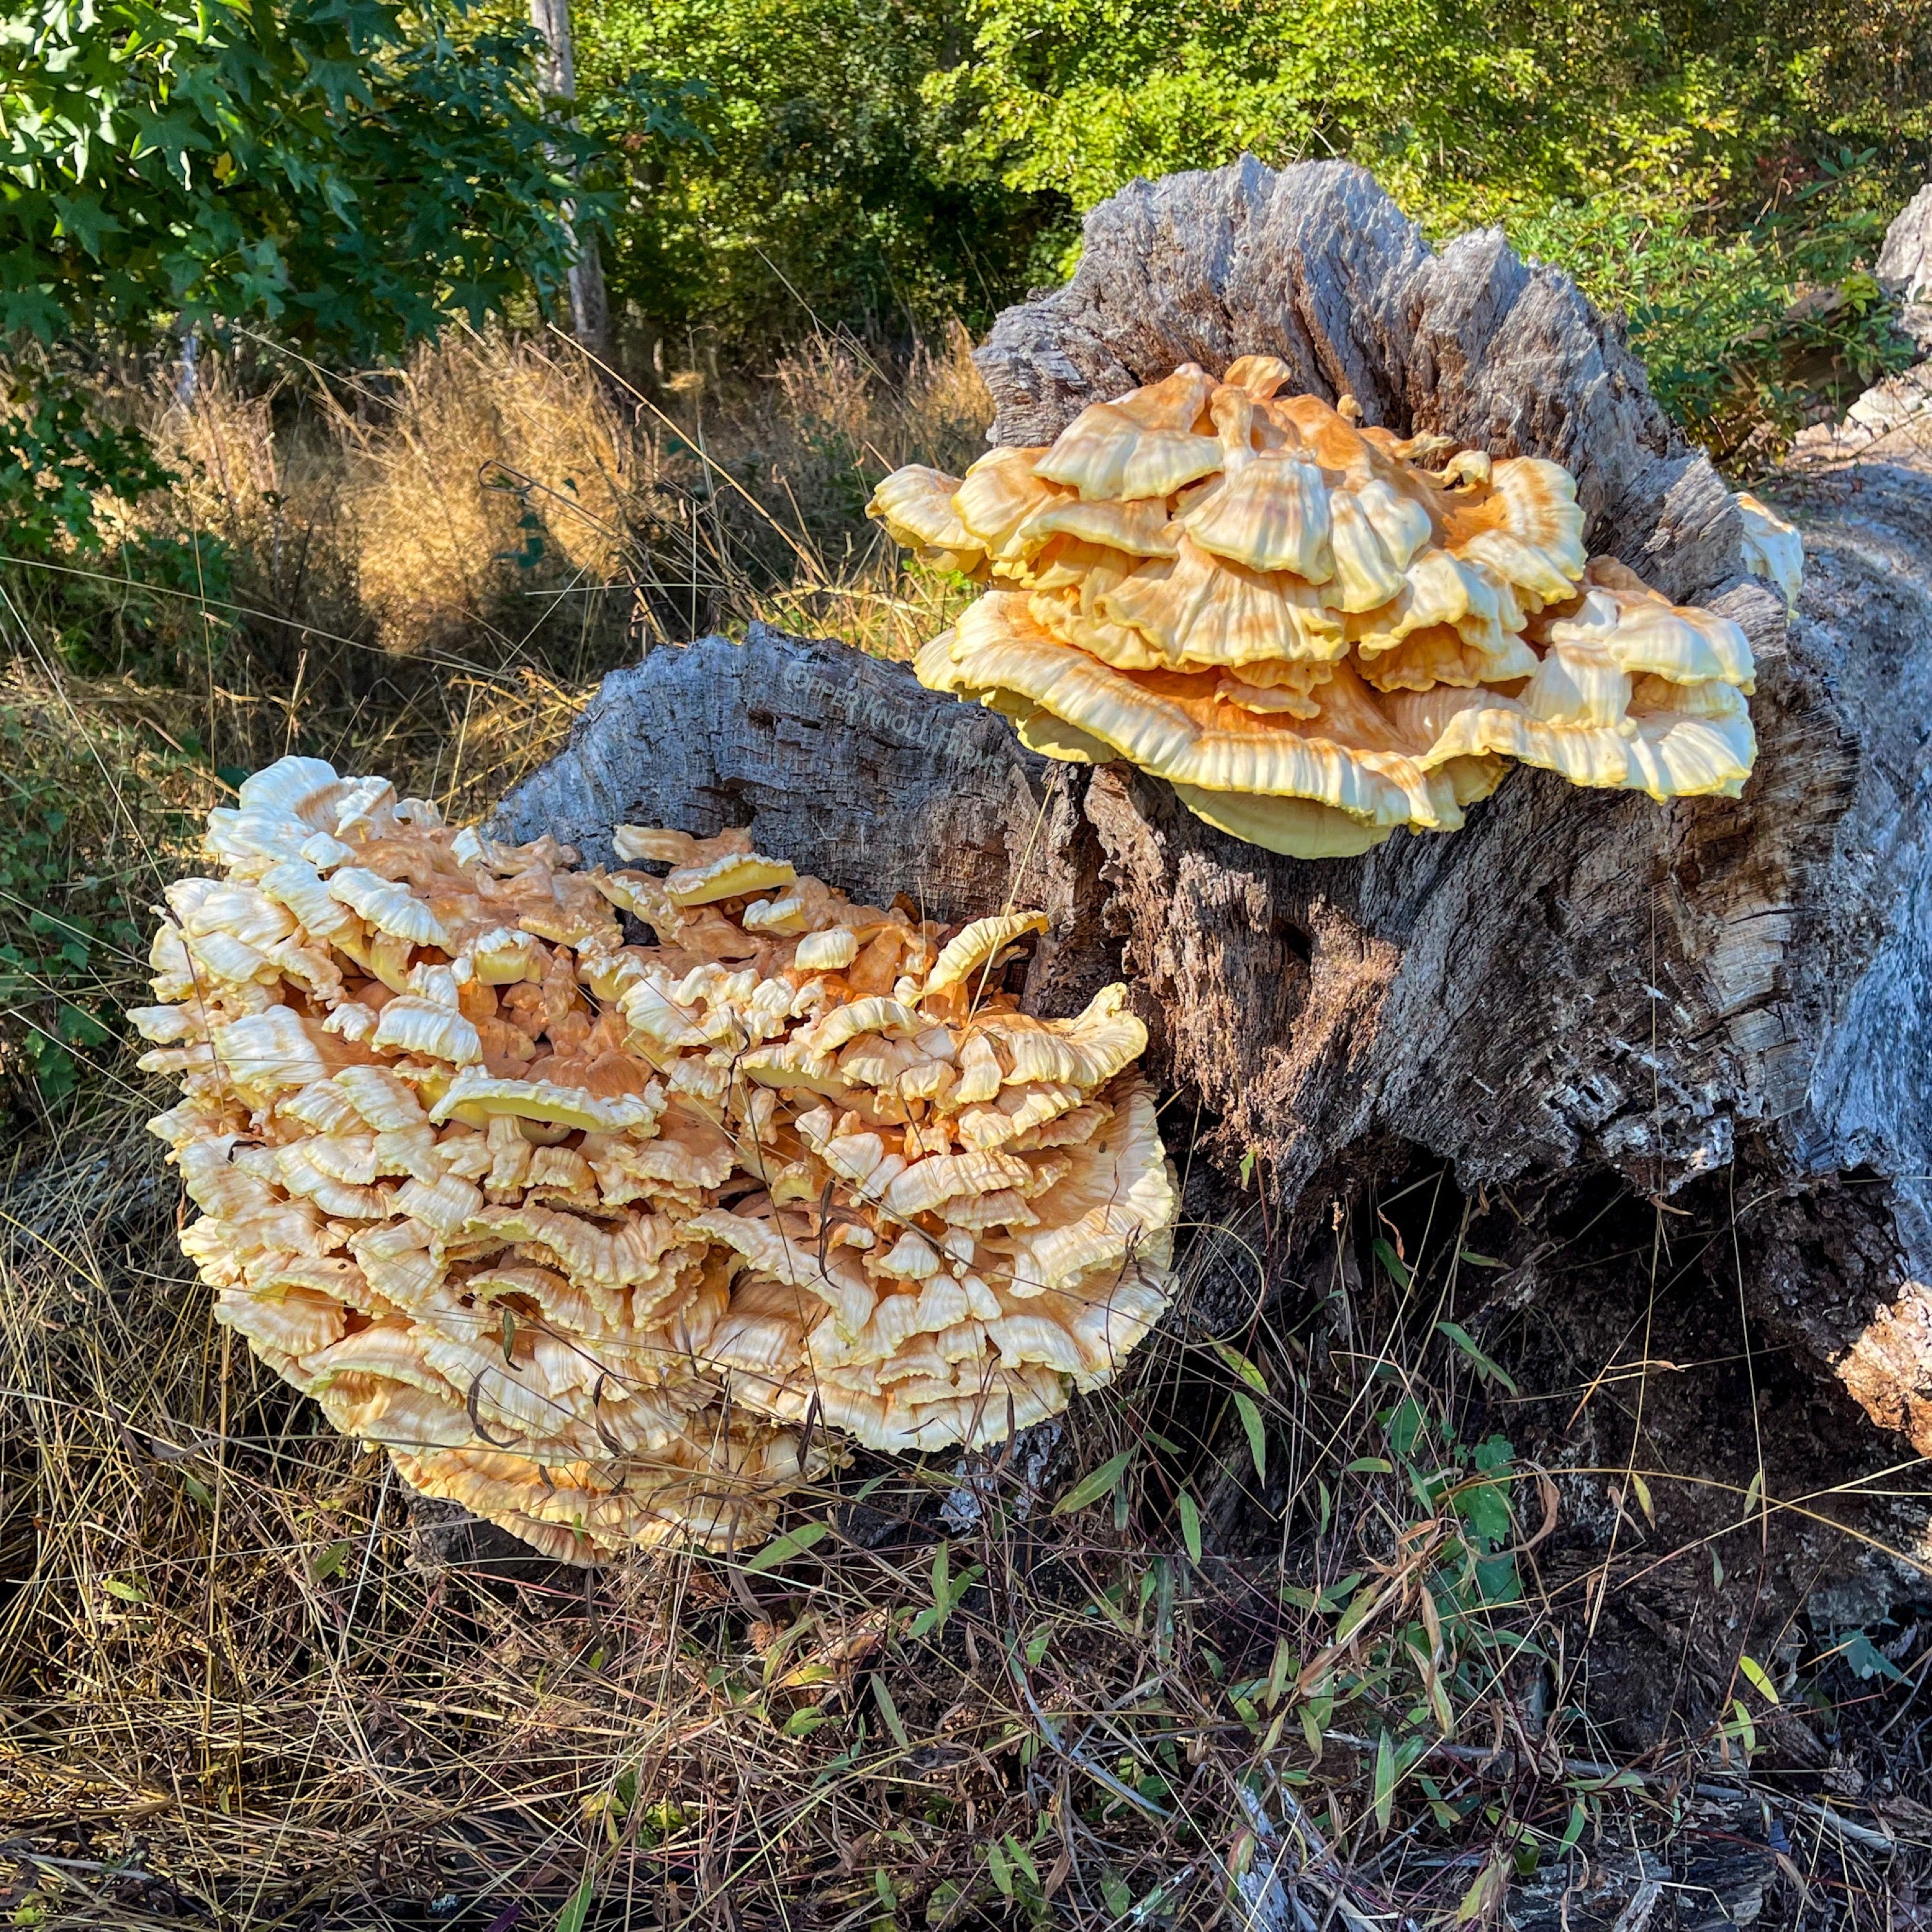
column 885, row 166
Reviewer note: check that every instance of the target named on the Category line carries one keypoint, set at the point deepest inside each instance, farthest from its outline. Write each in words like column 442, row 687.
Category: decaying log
column 1578, row 982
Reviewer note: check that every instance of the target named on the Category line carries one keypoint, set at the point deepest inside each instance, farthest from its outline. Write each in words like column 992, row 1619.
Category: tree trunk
column 1582, row 987
column 589, row 307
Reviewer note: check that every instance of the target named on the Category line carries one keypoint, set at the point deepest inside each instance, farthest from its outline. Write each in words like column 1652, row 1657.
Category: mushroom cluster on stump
column 1315, row 631
column 583, row 1230
column 1580, row 992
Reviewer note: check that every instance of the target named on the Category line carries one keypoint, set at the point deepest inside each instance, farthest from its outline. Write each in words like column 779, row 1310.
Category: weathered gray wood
column 843, row 764
column 1579, row 982
column 1904, row 266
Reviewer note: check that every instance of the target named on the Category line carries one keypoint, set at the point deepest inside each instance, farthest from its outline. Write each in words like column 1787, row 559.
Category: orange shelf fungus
column 1316, row 632
column 616, row 1244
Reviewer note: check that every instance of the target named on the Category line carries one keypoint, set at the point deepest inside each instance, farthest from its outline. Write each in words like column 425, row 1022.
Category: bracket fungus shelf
column 1315, row 630
column 617, row 1241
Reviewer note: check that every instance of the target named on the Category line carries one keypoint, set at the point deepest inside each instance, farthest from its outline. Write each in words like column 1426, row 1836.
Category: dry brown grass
column 241, row 1686
column 501, row 497
column 485, row 445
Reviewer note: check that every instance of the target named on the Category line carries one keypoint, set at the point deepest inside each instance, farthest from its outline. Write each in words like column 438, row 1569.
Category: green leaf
column 1866, row 1660
column 1759, row 1678
column 997, row 1870
column 1385, row 1774
column 1095, row 1484
column 782, row 1550
column 942, row 1579
column 1020, row 1859
column 128, row 1592
column 329, row 1563
column 1475, row 1901
column 1406, row 1426
column 1396, row 1269
column 1483, row 1507
column 1251, row 1421
column 1573, row 1830
column 1355, row 1615
column 1742, row 1728
column 77, row 1028
column 801, row 1724
column 576, row 1907
column 1234, row 1359
column 1489, row 1370
column 889, row 1711
column 1478, row 1261
column 1368, row 1465
column 1332, row 1596
column 1190, row 1526
column 1114, row 1892
column 1279, row 1671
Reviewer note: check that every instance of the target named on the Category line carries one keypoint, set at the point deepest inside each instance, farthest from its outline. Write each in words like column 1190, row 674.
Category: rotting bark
column 1579, row 982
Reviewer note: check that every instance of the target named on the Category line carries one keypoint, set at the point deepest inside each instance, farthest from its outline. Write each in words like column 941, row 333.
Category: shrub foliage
column 348, row 171
column 1700, row 163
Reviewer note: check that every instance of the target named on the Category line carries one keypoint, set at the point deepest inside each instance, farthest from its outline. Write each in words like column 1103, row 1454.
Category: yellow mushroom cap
column 475, row 1097
column 1772, row 547
column 735, row 875
column 1199, row 610
column 1173, row 725
column 1644, row 632
column 998, row 494
column 1583, row 717
column 389, row 908
column 1143, row 445
column 915, row 505
column 977, row 946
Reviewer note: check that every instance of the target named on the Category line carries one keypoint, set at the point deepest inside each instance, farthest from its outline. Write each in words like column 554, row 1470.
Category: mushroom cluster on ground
column 616, row 1236
column 1316, row 632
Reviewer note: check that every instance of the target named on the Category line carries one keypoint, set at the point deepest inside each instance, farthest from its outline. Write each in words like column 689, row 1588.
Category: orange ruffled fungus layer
column 615, row 1243
column 1315, row 631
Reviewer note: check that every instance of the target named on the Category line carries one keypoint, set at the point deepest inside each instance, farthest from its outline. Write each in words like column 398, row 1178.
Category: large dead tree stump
column 1580, row 983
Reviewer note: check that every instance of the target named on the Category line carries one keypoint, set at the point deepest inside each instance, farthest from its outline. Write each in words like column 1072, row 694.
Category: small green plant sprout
column 948, row 1592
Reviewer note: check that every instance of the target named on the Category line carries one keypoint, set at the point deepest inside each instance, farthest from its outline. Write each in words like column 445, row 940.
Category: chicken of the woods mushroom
column 1314, row 631
column 618, row 1243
